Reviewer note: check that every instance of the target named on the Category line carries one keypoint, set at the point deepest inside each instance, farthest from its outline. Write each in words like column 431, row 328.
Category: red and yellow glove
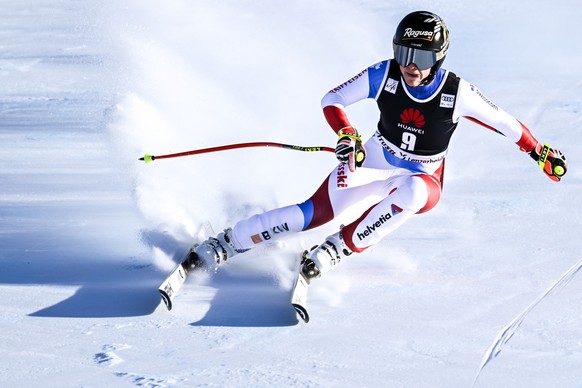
column 552, row 162
column 349, row 148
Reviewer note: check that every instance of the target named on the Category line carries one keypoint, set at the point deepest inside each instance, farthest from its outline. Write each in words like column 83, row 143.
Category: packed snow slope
column 87, row 232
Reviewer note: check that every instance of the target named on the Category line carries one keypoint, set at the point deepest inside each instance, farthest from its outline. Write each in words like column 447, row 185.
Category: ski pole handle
column 150, row 158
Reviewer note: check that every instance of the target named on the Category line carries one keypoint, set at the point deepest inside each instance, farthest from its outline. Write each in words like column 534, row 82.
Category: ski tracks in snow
column 508, row 331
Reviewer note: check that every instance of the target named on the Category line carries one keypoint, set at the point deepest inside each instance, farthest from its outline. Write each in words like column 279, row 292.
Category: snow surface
column 87, row 232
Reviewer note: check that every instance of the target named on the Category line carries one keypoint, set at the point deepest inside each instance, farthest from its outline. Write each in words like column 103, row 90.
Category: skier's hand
column 349, row 148
column 552, row 162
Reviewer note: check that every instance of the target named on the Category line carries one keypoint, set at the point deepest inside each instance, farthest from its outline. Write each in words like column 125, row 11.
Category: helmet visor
column 423, row 59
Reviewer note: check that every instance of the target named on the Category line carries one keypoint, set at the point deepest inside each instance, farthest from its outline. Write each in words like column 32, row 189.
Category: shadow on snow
column 249, row 300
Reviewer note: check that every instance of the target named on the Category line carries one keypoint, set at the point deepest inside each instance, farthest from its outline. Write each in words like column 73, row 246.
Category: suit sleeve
column 472, row 104
column 361, row 86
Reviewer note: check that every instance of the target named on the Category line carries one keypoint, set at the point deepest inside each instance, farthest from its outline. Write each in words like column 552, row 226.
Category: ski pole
column 150, row 158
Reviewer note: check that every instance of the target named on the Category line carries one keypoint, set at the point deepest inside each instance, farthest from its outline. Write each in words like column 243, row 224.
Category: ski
column 299, row 296
column 172, row 284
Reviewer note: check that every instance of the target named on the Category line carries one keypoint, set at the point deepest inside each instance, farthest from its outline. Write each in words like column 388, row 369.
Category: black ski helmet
column 421, row 38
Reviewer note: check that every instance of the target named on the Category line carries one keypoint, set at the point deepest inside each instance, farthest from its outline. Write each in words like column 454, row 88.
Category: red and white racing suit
column 403, row 172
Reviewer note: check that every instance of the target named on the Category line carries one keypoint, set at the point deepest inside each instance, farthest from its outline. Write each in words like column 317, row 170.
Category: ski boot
column 320, row 259
column 308, row 268
column 212, row 252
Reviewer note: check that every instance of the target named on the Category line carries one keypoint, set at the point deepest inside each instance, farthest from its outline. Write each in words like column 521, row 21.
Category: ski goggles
column 423, row 59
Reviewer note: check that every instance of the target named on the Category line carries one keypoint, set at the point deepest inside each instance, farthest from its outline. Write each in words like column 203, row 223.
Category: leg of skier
column 408, row 195
column 331, row 199
column 393, row 193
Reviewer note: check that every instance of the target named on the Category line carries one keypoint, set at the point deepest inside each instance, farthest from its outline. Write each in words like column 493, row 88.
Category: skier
column 398, row 172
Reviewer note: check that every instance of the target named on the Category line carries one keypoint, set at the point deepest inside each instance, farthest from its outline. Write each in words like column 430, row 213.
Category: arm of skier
column 349, row 148
column 475, row 106
column 335, row 101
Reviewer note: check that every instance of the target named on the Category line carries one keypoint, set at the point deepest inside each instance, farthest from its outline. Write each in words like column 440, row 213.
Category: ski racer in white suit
column 399, row 170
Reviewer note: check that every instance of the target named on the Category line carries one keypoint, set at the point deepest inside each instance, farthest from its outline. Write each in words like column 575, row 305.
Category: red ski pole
column 150, row 158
